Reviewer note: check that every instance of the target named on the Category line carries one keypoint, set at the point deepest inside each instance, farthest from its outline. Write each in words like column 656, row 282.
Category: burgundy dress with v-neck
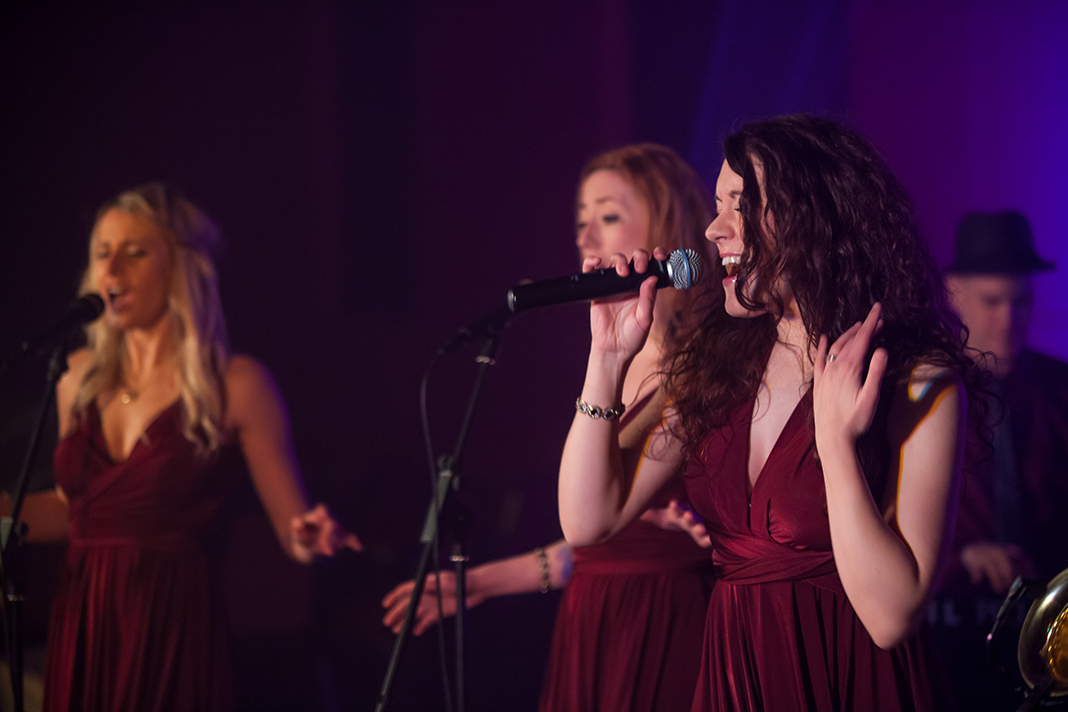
column 136, row 623
column 780, row 634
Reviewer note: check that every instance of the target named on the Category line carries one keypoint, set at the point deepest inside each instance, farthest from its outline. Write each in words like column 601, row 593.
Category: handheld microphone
column 81, row 311
column 681, row 270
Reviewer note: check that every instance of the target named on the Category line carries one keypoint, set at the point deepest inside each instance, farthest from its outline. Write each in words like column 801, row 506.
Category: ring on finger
column 831, row 358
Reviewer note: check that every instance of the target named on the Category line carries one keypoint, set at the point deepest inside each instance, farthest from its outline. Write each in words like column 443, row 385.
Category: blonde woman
column 153, row 415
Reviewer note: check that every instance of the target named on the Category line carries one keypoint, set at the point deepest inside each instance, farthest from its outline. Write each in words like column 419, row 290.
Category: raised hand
column 843, row 406
column 621, row 324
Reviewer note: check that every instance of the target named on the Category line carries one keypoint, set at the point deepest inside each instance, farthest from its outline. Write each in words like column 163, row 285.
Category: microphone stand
column 446, row 510
column 12, row 530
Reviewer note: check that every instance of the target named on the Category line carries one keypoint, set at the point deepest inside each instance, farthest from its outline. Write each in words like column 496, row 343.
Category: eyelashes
column 611, row 219
column 103, row 252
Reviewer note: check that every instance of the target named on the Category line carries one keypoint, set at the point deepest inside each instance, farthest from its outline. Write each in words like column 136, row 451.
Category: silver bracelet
column 597, row 412
column 543, row 563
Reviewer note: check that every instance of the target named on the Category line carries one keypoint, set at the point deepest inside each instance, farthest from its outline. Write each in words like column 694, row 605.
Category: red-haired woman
column 628, row 631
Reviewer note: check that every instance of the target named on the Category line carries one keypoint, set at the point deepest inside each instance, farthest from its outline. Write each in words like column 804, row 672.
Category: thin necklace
column 130, row 395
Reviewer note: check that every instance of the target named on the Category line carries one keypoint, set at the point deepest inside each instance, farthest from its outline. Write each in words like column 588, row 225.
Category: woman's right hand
column 996, row 563
column 679, row 517
column 620, row 325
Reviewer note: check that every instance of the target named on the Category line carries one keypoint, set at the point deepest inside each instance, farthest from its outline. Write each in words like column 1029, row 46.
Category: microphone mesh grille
column 686, row 268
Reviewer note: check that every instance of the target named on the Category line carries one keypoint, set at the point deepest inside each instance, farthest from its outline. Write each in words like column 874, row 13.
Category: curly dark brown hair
column 839, row 228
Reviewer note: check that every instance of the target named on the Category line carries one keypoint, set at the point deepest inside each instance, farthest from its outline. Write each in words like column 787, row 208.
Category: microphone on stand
column 491, row 323
column 81, row 311
column 681, row 270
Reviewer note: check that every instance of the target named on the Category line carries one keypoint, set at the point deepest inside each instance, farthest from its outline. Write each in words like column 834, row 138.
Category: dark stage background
column 384, row 171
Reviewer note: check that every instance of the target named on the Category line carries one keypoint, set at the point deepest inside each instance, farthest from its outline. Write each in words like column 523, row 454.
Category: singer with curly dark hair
column 820, row 407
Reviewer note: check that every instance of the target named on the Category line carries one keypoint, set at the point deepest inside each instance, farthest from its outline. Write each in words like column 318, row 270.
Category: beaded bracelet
column 543, row 562
column 597, row 412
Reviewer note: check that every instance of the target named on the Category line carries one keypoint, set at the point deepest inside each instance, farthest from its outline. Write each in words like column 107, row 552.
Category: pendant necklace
column 130, row 395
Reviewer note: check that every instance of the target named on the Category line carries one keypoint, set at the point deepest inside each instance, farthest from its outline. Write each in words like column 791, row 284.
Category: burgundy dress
column 628, row 631
column 781, row 634
column 136, row 624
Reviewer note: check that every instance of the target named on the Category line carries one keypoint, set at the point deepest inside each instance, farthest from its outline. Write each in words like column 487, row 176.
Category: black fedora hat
column 996, row 243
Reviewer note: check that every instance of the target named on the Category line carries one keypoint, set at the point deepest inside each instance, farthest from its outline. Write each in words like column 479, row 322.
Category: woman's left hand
column 842, row 405
column 317, row 533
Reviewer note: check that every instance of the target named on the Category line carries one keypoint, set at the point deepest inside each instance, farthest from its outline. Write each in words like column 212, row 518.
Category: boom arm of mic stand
column 444, row 503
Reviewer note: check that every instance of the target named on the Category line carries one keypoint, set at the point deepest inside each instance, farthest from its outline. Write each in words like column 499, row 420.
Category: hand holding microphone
column 620, row 327
column 617, row 327
column 681, row 270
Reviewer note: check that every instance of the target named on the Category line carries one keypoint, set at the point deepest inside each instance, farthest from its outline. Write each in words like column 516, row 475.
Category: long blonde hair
column 194, row 306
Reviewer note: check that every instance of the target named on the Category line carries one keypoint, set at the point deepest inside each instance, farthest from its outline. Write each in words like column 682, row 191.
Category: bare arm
column 256, row 412
column 504, row 577
column 889, row 561
column 47, row 514
column 601, row 489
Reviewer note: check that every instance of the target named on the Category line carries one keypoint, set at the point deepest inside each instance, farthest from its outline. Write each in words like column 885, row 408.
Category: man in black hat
column 1014, row 501
column 1006, row 508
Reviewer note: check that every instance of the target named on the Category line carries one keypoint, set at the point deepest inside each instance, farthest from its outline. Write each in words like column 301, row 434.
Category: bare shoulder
column 78, row 364
column 930, row 394
column 928, row 381
column 249, row 388
column 244, row 371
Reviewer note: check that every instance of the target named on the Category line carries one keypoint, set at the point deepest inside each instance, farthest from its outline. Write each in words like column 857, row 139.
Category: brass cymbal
column 1043, row 649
